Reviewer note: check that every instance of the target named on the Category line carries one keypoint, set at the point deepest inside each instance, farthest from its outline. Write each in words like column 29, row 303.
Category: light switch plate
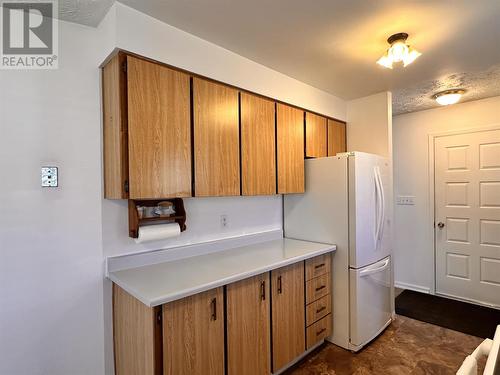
column 405, row 200
column 49, row 177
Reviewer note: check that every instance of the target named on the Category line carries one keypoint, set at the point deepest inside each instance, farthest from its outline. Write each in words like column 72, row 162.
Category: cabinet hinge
column 124, row 66
column 125, row 186
column 158, row 317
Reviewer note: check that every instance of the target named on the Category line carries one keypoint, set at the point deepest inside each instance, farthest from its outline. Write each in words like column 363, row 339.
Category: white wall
column 369, row 122
column 414, row 254
column 51, row 266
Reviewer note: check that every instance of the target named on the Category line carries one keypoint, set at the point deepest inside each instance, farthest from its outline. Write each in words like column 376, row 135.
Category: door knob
column 440, row 225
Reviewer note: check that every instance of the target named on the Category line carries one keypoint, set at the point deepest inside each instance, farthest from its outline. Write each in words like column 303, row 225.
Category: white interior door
column 467, row 216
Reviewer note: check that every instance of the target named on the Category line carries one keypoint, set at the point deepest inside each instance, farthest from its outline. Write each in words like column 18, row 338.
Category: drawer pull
column 320, row 287
column 320, row 309
column 214, row 309
column 320, row 331
column 280, row 289
column 319, row 266
column 263, row 291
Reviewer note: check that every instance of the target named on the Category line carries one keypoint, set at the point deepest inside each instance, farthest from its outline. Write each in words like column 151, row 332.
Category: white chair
column 488, row 348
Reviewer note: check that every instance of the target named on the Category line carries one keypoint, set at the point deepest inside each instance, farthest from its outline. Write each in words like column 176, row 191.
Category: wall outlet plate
column 49, row 177
column 405, row 200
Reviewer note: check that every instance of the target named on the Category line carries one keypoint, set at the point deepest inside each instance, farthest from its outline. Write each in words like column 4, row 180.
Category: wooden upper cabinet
column 216, row 139
column 193, row 335
column 258, row 146
column 115, row 144
column 290, row 141
column 248, row 326
column 159, row 131
column 336, row 137
column 288, row 315
column 316, row 136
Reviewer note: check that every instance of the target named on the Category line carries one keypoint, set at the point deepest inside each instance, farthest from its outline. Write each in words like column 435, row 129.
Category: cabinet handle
column 280, row 289
column 263, row 290
column 320, row 331
column 214, row 308
column 320, row 287
column 319, row 266
column 320, row 309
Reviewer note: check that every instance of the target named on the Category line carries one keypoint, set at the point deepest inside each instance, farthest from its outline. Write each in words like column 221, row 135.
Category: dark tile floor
column 407, row 346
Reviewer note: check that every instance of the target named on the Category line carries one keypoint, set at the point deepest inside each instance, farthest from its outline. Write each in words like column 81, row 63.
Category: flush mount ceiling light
column 399, row 51
column 448, row 97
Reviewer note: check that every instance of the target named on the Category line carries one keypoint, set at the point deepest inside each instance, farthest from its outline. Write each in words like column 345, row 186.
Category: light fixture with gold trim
column 398, row 52
column 448, row 97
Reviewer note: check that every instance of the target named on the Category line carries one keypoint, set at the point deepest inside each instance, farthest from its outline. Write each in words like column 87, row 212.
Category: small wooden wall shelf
column 134, row 221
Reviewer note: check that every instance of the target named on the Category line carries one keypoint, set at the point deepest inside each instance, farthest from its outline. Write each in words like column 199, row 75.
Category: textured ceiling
column 85, row 12
column 479, row 85
column 333, row 44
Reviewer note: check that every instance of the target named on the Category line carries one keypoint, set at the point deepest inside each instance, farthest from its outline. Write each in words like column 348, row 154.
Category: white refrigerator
column 348, row 203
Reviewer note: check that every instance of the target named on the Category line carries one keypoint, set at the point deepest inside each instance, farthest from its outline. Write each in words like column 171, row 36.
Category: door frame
column 431, row 208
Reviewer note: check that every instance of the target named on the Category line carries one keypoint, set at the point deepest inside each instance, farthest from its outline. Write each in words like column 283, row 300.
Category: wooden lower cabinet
column 136, row 335
column 193, row 335
column 255, row 326
column 288, row 315
column 248, row 326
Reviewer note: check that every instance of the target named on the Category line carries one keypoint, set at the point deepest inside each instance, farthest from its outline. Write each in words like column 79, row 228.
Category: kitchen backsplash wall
column 244, row 215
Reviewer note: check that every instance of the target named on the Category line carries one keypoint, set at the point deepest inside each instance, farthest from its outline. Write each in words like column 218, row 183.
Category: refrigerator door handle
column 378, row 207
column 371, row 271
column 382, row 195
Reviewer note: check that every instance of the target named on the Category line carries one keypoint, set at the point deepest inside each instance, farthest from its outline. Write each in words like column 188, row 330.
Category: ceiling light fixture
column 448, row 97
column 399, row 51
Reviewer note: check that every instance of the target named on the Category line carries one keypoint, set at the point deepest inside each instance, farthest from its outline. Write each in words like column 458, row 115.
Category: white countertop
column 159, row 283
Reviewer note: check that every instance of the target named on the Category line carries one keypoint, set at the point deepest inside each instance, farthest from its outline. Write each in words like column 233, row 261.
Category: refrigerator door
column 370, row 302
column 369, row 209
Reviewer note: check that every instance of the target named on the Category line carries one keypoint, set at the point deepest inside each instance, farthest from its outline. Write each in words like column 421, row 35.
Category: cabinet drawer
column 318, row 309
column 318, row 266
column 317, row 288
column 319, row 330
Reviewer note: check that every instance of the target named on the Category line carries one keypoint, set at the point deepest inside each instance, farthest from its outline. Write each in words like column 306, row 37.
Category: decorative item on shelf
column 159, row 211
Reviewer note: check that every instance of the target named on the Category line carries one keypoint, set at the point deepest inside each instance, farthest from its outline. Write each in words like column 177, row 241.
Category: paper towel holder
column 134, row 222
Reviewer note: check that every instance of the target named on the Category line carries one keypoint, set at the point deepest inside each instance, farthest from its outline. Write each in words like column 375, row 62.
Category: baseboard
column 416, row 288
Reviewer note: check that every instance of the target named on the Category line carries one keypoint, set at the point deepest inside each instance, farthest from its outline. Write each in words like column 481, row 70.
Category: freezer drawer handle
column 319, row 266
column 370, row 271
column 320, row 287
column 320, row 331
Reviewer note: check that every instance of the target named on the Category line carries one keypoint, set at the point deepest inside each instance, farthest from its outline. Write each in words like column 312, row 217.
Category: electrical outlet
column 49, row 177
column 405, row 200
column 223, row 221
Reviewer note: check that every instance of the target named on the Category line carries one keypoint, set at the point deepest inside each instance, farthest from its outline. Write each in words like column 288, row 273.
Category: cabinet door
column 336, row 137
column 216, row 139
column 193, row 335
column 248, row 327
column 159, row 131
column 136, row 335
column 288, row 316
column 316, row 136
column 258, row 155
column 290, row 133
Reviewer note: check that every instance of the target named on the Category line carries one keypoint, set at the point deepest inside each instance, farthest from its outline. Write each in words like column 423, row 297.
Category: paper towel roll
column 158, row 232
